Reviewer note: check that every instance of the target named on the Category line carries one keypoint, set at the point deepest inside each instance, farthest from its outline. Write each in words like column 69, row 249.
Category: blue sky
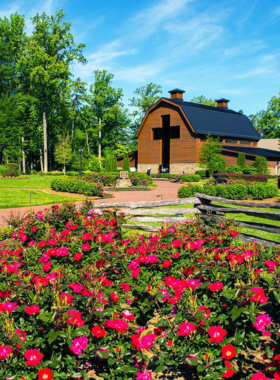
column 217, row 48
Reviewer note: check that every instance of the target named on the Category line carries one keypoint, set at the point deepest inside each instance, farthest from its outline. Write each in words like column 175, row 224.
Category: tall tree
column 210, row 155
column 203, row 100
column 45, row 64
column 146, row 97
column 63, row 152
column 268, row 122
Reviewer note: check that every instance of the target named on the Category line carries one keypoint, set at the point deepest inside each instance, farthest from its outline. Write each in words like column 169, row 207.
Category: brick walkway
column 166, row 189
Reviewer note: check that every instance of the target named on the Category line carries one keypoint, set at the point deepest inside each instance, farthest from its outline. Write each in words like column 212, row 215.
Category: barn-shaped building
column 173, row 131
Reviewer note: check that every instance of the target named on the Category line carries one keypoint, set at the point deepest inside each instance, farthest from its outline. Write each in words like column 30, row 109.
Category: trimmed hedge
column 234, row 191
column 72, row 174
column 109, row 179
column 246, row 177
column 190, row 178
column 203, row 173
column 166, row 175
column 77, row 186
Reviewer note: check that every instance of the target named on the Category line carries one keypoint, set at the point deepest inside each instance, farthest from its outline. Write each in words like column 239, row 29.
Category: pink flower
column 258, row 295
column 33, row 357
column 217, row 334
column 144, row 375
column 8, row 306
column 270, row 265
column 216, row 286
column 258, row 376
column 186, row 328
column 5, row 351
column 100, row 350
column 34, row 309
column 125, row 286
column 193, row 283
column 78, row 345
column 261, row 322
column 118, row 325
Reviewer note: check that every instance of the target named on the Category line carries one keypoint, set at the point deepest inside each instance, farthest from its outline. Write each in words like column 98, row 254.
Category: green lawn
column 11, row 198
column 30, row 182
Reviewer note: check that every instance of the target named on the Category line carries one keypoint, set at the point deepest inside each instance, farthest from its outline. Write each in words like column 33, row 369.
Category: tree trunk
column 64, row 168
column 99, row 142
column 41, row 161
column 87, row 141
column 23, row 156
column 45, row 136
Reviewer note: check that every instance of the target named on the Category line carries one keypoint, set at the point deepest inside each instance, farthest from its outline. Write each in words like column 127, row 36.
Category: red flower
column 233, row 233
column 114, row 297
column 216, row 286
column 258, row 376
column 98, row 331
column 228, row 352
column 118, row 325
column 34, row 309
column 186, row 328
column 77, row 256
column 217, row 334
column 228, row 373
column 166, row 263
column 45, row 374
column 33, row 357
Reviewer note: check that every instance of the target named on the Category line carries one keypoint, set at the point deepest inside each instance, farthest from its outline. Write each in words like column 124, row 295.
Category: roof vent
column 222, row 103
column 176, row 94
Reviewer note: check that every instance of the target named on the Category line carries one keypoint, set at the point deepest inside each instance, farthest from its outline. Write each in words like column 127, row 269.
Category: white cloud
column 109, row 52
column 259, row 71
column 245, row 48
column 138, row 74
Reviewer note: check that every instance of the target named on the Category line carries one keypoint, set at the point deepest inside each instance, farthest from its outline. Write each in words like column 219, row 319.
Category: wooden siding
column 182, row 150
column 132, row 160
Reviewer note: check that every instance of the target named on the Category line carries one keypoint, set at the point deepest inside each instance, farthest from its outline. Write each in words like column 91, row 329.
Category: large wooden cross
column 166, row 133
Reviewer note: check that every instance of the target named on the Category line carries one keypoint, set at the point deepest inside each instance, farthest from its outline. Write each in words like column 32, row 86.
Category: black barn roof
column 268, row 153
column 217, row 121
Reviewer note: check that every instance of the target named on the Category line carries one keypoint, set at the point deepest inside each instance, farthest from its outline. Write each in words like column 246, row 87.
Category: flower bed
column 77, row 298
column 231, row 191
column 77, row 186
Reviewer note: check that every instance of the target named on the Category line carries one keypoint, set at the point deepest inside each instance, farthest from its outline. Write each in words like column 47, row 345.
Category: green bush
column 190, row 178
column 234, row 169
column 125, row 166
column 12, row 170
column 241, row 160
column 202, row 173
column 33, row 171
column 72, row 174
column 76, row 186
column 221, row 164
column 3, row 169
column 189, row 191
column 261, row 165
column 231, row 191
column 250, row 170
column 94, row 165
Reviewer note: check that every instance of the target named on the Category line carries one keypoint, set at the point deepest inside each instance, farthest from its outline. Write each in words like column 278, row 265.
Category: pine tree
column 241, row 160
column 126, row 164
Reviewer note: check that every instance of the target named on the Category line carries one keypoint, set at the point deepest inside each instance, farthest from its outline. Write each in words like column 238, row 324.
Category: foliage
column 125, row 166
column 76, row 297
column 77, row 186
column 245, row 177
column 231, row 191
column 11, row 171
column 190, row 178
column 63, row 151
column 203, row 100
column 261, row 165
column 221, row 164
column 210, row 155
column 94, row 165
column 234, row 169
column 146, row 97
column 202, row 173
column 241, row 160
column 73, row 174
column 250, row 170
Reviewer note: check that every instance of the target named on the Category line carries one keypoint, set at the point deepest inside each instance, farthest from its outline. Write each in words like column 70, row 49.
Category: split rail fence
column 204, row 207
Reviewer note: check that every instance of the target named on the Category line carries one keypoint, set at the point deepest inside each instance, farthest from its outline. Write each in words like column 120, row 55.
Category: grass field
column 30, row 182
column 11, row 198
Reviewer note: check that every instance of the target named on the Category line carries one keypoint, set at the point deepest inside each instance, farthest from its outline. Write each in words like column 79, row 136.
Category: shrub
column 3, row 169
column 244, row 177
column 76, row 186
column 94, row 165
column 125, row 166
column 72, row 174
column 189, row 191
column 12, row 170
column 54, row 173
column 169, row 176
column 231, row 191
column 190, row 178
column 241, row 160
column 221, row 164
column 261, row 165
column 234, row 169
column 202, row 173
column 33, row 171
column 249, row 170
